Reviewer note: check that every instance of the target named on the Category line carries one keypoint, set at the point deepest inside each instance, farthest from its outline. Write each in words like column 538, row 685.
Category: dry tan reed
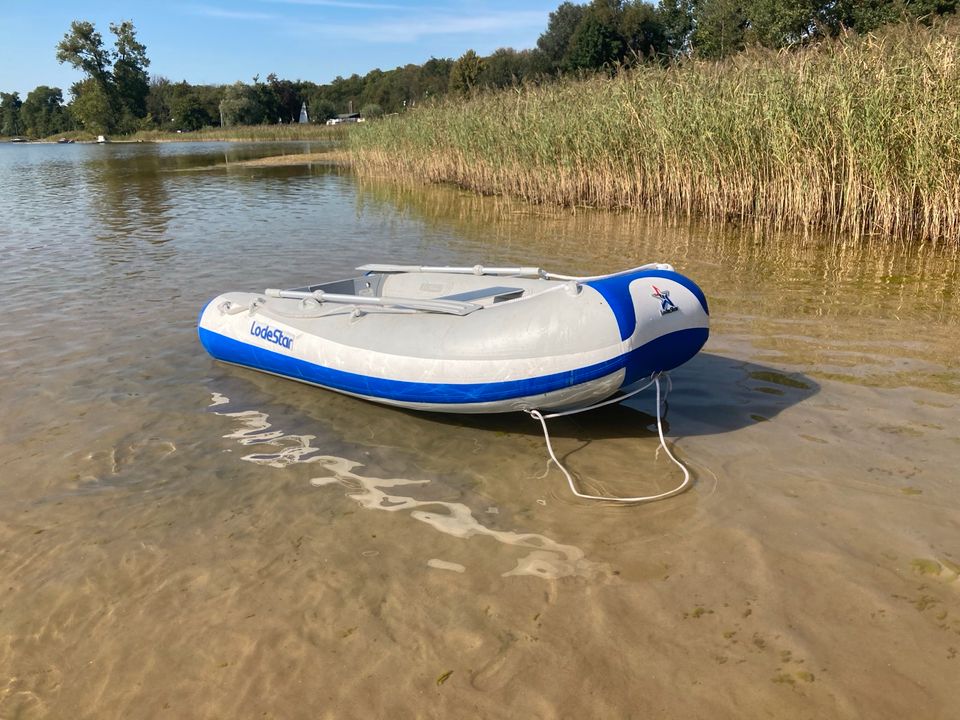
column 859, row 136
column 244, row 133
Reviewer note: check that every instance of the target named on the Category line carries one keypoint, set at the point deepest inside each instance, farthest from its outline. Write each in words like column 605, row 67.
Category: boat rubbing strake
column 466, row 339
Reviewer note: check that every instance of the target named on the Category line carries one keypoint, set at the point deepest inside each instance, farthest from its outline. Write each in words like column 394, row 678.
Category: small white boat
column 466, row 339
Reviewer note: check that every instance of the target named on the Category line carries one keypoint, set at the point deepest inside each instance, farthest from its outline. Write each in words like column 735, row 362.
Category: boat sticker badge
column 666, row 304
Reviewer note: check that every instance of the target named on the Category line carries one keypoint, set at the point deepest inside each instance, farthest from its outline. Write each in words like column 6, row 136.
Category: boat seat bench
column 498, row 293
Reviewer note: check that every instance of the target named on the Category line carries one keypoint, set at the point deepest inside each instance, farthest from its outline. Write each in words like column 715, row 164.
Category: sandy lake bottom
column 180, row 538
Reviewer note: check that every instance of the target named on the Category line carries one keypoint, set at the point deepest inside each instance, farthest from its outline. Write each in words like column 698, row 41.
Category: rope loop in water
column 537, row 415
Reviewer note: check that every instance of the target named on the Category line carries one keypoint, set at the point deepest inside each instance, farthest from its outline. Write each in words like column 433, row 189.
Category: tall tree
column 130, row 69
column 434, row 77
column 83, row 48
column 676, row 18
column 286, row 98
column 159, row 98
column 719, row 27
column 10, row 123
column 119, row 77
column 596, row 41
column 555, row 40
column 642, row 30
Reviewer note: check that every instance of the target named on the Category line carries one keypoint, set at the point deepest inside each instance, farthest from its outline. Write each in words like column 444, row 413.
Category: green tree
column 434, row 77
column 642, row 30
column 83, row 48
column 781, row 23
column 465, row 73
column 719, row 28
column 676, row 19
column 321, row 109
column 43, row 112
column 241, row 105
column 120, row 76
column 92, row 107
column 596, row 41
column 346, row 93
column 504, row 68
column 554, row 43
column 188, row 112
column 867, row 15
column 159, row 99
column 209, row 97
column 10, row 122
column 130, row 69
column 286, row 99
column 371, row 111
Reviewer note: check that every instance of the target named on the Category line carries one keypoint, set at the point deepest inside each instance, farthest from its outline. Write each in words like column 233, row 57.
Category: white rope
column 663, row 443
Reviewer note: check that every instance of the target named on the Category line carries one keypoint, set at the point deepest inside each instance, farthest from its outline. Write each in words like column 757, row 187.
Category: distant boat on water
column 101, row 139
column 18, row 140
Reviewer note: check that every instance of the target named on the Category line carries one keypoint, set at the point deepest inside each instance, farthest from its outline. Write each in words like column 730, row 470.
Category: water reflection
column 710, row 395
column 546, row 558
column 131, row 204
column 835, row 277
column 860, row 311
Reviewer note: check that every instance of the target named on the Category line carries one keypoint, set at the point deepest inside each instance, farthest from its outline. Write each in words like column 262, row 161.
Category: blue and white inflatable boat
column 466, row 339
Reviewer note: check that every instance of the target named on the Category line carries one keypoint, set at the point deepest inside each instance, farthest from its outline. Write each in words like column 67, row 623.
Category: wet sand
column 182, row 538
column 332, row 157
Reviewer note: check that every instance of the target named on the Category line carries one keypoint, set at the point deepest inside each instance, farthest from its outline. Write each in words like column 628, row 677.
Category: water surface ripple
column 186, row 538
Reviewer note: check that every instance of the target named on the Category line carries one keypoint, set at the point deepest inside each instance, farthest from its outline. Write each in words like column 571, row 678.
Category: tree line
column 117, row 95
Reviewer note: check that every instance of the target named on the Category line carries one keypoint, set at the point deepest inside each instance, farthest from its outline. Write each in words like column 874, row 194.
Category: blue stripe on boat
column 664, row 353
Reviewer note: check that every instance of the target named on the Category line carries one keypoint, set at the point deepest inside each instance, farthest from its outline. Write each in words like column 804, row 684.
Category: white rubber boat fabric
column 466, row 340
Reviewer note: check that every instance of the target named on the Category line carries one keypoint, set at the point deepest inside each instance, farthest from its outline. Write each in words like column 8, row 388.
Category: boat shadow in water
column 711, row 394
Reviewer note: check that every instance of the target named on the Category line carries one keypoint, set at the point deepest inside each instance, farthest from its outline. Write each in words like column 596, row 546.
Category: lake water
column 181, row 538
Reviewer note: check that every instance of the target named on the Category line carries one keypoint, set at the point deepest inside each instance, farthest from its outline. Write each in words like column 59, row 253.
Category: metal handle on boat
column 448, row 307
column 533, row 272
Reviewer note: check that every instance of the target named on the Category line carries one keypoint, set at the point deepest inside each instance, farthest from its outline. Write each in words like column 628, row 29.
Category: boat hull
column 568, row 345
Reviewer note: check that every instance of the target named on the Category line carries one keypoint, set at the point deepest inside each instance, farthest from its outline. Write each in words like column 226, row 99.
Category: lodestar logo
column 277, row 337
column 666, row 304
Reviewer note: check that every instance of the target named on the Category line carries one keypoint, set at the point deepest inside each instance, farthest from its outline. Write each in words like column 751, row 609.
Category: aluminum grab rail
column 528, row 272
column 447, row 307
column 533, row 272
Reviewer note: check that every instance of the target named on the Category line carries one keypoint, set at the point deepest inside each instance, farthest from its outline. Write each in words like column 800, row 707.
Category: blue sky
column 222, row 41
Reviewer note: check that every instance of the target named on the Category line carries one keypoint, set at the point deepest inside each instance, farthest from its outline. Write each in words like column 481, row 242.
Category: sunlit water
column 186, row 538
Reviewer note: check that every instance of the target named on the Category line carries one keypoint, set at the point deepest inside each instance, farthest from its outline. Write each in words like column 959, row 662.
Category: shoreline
column 854, row 137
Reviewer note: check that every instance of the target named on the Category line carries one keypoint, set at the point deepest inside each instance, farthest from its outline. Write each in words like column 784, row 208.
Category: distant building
column 345, row 118
column 303, row 114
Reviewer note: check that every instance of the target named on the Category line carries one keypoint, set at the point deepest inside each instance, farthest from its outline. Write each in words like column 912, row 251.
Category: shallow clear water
column 186, row 537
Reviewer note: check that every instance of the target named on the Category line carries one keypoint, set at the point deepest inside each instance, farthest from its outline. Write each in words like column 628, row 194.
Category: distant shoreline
column 334, row 157
column 335, row 135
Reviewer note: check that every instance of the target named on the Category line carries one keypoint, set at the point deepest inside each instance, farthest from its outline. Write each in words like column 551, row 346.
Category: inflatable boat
column 466, row 339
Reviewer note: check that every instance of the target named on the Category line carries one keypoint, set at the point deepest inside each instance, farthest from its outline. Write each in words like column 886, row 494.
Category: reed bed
column 859, row 136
